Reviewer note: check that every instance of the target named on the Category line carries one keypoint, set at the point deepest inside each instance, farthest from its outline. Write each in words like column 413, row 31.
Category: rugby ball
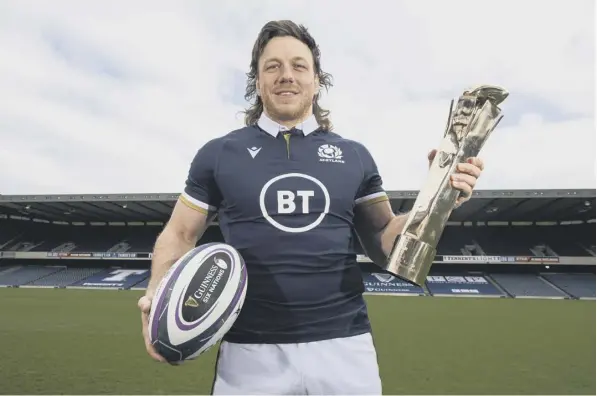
column 197, row 301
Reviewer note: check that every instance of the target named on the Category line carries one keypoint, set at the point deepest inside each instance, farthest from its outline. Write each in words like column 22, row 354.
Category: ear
column 257, row 88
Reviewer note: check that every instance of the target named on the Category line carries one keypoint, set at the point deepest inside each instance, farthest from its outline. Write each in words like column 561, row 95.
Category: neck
column 289, row 123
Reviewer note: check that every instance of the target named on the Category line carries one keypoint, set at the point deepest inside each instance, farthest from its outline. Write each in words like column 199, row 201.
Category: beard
column 297, row 109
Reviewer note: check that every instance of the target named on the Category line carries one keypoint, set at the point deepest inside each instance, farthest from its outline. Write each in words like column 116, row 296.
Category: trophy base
column 411, row 260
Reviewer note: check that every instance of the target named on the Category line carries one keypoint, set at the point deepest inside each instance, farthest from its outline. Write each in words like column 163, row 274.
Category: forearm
column 391, row 231
column 169, row 247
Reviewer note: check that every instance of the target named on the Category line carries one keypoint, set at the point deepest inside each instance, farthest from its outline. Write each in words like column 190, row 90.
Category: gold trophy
column 469, row 125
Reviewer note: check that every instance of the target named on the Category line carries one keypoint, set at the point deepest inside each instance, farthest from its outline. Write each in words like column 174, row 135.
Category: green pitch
column 89, row 342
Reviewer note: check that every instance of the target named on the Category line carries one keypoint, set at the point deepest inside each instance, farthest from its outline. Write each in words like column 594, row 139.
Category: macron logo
column 254, row 151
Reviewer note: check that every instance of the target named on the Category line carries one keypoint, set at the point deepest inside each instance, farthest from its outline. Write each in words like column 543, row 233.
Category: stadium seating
column 18, row 276
column 576, row 285
column 66, row 277
column 59, row 277
column 528, row 241
column 44, row 238
column 553, row 286
column 577, row 240
column 56, row 238
column 142, row 285
column 573, row 240
column 527, row 285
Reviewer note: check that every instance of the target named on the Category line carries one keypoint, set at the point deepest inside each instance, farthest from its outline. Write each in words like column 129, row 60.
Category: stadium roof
column 486, row 205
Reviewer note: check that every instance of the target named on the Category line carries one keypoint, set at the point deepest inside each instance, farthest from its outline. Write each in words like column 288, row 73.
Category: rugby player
column 286, row 189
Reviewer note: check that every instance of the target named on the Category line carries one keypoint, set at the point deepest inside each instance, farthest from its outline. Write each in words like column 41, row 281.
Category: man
column 286, row 189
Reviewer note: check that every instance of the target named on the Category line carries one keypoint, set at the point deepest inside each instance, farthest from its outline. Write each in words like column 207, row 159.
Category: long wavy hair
column 282, row 29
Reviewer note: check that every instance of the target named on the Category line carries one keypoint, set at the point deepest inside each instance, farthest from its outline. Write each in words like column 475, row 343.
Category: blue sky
column 110, row 97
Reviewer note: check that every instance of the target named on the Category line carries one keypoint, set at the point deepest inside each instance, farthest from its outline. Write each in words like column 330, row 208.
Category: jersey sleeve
column 371, row 189
column 201, row 190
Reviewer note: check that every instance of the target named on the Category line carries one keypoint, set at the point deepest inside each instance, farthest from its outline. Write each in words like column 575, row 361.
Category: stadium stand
column 520, row 244
column 576, row 285
column 457, row 240
column 19, row 276
column 527, row 285
column 65, row 277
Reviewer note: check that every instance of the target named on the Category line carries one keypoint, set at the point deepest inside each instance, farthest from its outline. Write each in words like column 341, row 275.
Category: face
column 286, row 80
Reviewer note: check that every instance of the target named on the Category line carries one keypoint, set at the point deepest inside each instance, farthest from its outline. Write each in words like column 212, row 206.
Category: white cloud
column 116, row 97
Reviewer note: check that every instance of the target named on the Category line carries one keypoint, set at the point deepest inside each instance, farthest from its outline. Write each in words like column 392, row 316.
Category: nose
column 286, row 75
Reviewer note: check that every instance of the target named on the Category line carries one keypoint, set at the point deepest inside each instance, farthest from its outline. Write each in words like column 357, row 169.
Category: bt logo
column 294, row 194
column 286, row 201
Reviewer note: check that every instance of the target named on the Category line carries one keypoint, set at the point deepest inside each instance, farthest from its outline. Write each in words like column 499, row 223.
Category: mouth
column 286, row 93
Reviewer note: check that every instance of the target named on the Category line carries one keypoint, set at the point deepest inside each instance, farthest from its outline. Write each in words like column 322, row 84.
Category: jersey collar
column 308, row 126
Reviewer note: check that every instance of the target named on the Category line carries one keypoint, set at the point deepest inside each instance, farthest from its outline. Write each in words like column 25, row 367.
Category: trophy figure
column 469, row 125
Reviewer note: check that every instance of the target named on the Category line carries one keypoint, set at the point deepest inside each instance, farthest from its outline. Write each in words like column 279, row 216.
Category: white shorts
column 331, row 367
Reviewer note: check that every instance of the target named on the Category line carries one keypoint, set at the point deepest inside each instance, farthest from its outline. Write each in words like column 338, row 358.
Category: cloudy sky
column 111, row 96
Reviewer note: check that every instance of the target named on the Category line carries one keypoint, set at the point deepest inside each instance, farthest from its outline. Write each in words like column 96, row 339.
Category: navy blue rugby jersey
column 285, row 200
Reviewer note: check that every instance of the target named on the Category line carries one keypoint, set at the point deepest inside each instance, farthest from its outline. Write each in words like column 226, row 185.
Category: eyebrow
column 296, row 58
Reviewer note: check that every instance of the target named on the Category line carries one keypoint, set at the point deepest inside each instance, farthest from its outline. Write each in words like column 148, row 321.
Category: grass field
column 89, row 342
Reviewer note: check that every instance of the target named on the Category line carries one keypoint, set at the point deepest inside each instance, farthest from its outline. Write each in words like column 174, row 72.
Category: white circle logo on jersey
column 295, row 194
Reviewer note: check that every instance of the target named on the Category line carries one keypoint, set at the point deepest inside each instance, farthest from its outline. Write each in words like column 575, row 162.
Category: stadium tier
column 538, row 244
column 536, row 241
